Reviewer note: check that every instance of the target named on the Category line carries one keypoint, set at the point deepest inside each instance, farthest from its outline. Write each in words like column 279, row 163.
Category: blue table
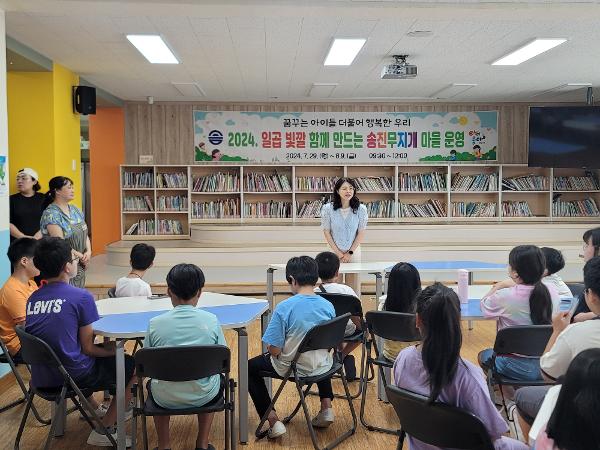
column 128, row 318
column 454, row 265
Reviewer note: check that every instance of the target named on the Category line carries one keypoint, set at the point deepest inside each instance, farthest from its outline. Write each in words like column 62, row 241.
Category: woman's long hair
column 404, row 284
column 529, row 263
column 55, row 184
column 337, row 200
column 574, row 422
column 438, row 308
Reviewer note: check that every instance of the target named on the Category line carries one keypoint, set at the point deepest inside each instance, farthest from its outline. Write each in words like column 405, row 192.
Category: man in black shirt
column 26, row 206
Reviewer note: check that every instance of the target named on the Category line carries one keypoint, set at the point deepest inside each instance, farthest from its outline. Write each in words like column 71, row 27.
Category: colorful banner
column 343, row 137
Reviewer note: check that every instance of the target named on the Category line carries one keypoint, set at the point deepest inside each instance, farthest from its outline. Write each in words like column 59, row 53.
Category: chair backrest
column 576, row 288
column 36, row 351
column 112, row 292
column 436, row 423
column 182, row 363
column 324, row 336
column 393, row 326
column 343, row 303
column 526, row 340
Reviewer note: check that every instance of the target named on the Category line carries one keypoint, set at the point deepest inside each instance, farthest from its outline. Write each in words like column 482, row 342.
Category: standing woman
column 60, row 219
column 344, row 222
column 26, row 206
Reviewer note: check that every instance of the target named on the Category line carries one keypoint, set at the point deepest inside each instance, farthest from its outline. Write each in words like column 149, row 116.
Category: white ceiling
column 262, row 50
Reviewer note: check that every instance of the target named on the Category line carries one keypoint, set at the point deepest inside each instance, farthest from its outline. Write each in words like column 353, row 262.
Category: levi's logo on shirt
column 45, row 307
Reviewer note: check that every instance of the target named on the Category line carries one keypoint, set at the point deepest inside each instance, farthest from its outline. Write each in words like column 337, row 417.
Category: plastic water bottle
column 463, row 285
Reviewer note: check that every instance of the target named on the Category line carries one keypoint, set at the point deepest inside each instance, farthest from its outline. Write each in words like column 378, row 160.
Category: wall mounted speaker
column 84, row 100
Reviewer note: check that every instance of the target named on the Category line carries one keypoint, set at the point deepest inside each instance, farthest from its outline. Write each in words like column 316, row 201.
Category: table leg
column 242, row 384
column 120, row 394
column 61, row 417
column 470, row 277
column 470, row 323
column 265, row 319
column 380, row 387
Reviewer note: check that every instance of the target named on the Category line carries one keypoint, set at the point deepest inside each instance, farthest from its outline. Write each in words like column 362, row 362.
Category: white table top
column 362, row 267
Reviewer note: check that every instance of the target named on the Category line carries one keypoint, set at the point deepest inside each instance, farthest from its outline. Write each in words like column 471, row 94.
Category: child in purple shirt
column 435, row 369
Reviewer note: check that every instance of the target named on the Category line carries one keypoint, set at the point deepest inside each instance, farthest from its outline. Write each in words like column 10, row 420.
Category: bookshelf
column 165, row 200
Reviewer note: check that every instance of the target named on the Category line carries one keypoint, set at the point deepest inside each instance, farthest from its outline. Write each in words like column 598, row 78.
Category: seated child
column 290, row 321
column 62, row 316
column 435, row 369
column 141, row 259
column 185, row 325
column 16, row 291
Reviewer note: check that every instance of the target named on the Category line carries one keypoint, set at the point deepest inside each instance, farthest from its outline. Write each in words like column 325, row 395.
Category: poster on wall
column 3, row 176
column 344, row 137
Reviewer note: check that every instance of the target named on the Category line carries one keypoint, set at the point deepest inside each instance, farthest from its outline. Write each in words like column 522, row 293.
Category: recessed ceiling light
column 153, row 48
column 343, row 51
column 189, row 89
column 453, row 90
column 322, row 90
column 534, row 48
column 420, row 33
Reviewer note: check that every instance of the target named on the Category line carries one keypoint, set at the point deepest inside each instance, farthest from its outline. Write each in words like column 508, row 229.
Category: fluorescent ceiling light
column 189, row 89
column 322, row 90
column 343, row 51
column 534, row 48
column 453, row 90
column 563, row 89
column 153, row 48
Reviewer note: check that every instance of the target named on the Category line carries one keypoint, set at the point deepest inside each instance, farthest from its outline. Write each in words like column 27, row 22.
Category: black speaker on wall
column 84, row 100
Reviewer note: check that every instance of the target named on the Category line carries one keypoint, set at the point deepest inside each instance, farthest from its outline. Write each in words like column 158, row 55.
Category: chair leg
column 61, row 399
column 23, row 421
column 144, row 432
column 363, row 401
column 401, row 440
column 227, row 417
column 232, row 434
column 13, row 404
column 261, row 434
column 311, row 430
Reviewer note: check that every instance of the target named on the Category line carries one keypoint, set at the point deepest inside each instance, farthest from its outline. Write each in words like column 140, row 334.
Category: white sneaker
column 101, row 440
column 100, row 411
column 278, row 429
column 323, row 419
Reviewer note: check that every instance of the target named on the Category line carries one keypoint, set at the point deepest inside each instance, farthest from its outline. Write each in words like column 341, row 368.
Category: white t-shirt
column 132, row 287
column 556, row 281
column 338, row 288
column 572, row 341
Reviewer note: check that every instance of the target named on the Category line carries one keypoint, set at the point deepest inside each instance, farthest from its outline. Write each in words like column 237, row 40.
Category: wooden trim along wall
column 165, row 129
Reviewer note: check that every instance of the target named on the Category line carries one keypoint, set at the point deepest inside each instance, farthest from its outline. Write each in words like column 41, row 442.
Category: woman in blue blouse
column 66, row 221
column 344, row 222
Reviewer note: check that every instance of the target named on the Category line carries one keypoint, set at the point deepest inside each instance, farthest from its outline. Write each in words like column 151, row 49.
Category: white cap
column 29, row 171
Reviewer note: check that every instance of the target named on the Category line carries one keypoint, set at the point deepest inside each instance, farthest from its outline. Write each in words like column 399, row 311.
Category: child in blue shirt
column 291, row 321
column 185, row 325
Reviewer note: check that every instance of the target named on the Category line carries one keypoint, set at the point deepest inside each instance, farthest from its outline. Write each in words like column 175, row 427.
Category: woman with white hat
column 26, row 206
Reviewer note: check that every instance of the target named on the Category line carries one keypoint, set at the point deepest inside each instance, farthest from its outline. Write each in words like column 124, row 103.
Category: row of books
column 516, row 209
column 374, row 183
column 589, row 183
column 320, row 184
column 172, row 203
column 172, row 180
column 268, row 210
column 431, row 208
column 428, row 182
column 473, row 209
column 137, row 203
column 169, row 226
column 525, row 183
column 137, row 180
column 217, row 209
column 217, row 182
column 479, row 182
column 261, row 182
column 575, row 208
column 142, row 227
column 381, row 209
column 310, row 208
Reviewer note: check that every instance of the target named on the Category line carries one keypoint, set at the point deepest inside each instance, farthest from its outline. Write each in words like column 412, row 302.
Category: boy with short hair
column 141, row 259
column 554, row 264
column 16, row 291
column 185, row 325
column 290, row 322
column 62, row 316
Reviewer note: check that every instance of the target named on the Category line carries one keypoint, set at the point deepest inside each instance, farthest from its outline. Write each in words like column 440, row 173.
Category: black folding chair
column 349, row 304
column 37, row 352
column 184, row 363
column 112, row 292
column 523, row 340
column 437, row 424
column 576, row 288
column 325, row 336
column 393, row 326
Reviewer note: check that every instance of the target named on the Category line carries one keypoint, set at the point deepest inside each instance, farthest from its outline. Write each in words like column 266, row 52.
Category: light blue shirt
column 291, row 320
column 343, row 229
column 185, row 325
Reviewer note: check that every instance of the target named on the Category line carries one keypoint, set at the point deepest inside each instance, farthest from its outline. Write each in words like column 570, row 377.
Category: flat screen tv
column 564, row 136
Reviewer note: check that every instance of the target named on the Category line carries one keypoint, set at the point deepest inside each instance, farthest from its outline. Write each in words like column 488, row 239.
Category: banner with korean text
column 343, row 137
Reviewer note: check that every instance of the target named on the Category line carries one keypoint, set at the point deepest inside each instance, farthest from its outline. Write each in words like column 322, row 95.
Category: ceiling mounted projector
column 400, row 70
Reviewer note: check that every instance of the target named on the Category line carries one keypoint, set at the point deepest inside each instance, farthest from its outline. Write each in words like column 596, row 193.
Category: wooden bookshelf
column 228, row 193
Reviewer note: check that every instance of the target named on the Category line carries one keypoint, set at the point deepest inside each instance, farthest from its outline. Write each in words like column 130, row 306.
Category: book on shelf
column 169, row 226
column 142, row 227
column 381, row 209
column 320, row 184
column 366, row 184
column 525, row 183
column 311, row 209
column 261, row 182
column 516, row 209
column 473, row 209
column 422, row 182
column 172, row 180
column 172, row 203
column 140, row 180
column 268, row 210
column 575, row 208
column 217, row 209
column 586, row 183
column 137, row 203
column 217, row 182
column 430, row 208
column 481, row 182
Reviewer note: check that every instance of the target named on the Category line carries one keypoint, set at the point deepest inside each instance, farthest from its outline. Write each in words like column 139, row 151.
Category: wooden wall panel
column 166, row 130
